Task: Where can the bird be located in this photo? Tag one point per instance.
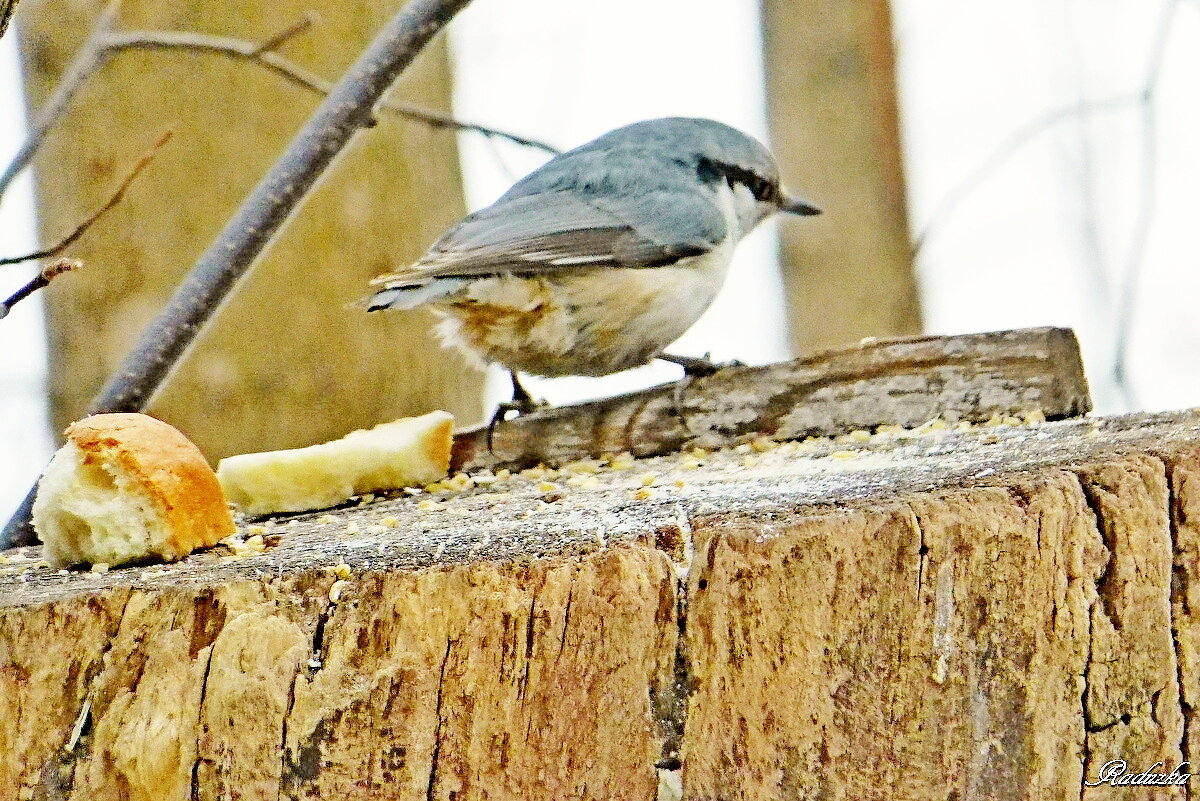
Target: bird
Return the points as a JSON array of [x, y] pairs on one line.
[[602, 257]]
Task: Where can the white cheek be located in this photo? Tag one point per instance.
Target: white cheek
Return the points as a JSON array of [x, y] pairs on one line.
[[742, 209]]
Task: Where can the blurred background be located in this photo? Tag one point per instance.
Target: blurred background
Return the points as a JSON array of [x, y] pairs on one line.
[[981, 166]]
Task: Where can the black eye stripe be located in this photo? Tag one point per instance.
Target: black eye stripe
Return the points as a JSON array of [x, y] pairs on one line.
[[711, 171]]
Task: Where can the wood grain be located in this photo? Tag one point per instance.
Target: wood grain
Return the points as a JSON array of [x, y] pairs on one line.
[[986, 613], [900, 382]]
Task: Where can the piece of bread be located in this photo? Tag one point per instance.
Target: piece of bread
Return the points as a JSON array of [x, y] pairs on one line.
[[409, 451], [125, 488]]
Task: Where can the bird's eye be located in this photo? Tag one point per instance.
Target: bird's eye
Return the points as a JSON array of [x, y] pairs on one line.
[[762, 189]]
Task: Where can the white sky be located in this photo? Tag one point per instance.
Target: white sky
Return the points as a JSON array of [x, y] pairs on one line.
[[1045, 238]]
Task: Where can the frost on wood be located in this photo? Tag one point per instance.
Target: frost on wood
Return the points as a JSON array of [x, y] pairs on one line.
[[986, 613]]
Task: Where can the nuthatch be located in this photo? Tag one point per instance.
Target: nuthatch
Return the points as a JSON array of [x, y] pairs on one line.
[[602, 257]]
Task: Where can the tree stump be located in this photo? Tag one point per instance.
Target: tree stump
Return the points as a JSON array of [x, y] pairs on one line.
[[993, 612]]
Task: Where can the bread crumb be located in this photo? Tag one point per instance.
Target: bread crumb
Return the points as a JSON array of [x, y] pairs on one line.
[[763, 444], [1033, 417], [583, 466], [256, 529], [336, 590], [859, 435], [460, 482], [326, 519], [389, 522], [547, 486], [427, 504], [843, 454], [622, 461], [352, 528], [749, 460], [583, 482], [99, 567]]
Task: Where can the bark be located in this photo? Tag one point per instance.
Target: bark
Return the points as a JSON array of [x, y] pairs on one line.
[[988, 613]]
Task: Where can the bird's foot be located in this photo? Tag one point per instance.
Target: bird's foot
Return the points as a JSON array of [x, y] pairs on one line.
[[698, 366], [522, 403]]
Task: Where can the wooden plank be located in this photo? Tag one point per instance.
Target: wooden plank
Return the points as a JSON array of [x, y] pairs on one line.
[[900, 382]]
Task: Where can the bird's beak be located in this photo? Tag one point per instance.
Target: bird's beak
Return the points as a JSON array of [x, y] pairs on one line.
[[794, 205]]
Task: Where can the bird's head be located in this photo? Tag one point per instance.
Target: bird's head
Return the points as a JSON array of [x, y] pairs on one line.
[[719, 155]]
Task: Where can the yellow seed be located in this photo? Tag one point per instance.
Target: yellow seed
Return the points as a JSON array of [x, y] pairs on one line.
[[643, 494], [427, 503], [648, 479], [843, 454], [341, 570]]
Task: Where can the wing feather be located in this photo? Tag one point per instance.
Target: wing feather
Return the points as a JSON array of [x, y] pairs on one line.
[[563, 228]]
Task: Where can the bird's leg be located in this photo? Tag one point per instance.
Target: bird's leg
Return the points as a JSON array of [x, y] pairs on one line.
[[697, 366], [522, 403]]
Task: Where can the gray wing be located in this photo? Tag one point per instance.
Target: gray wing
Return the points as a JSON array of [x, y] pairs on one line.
[[566, 229]]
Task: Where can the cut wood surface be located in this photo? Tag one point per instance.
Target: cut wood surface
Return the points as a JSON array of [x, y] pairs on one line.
[[995, 612], [898, 381]]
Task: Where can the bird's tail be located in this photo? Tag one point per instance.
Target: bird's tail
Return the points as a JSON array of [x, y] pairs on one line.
[[411, 296]]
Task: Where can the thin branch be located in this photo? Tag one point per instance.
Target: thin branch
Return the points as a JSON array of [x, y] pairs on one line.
[[103, 43], [278, 40], [88, 58], [346, 109], [1017, 140], [242, 50], [116, 198], [42, 279], [1131, 277], [7, 7]]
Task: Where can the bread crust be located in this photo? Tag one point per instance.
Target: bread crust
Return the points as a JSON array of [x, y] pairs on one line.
[[169, 469]]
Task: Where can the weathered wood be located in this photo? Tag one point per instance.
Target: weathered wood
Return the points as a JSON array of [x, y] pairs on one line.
[[900, 381], [987, 613]]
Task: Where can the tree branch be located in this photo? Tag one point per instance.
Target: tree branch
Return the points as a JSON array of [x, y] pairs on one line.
[[7, 8], [104, 43], [346, 109], [42, 279], [82, 228]]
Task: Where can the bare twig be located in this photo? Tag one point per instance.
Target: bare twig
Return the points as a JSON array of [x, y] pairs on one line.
[[1131, 277], [42, 279], [278, 40], [346, 109], [295, 74], [7, 7], [88, 58], [116, 198], [103, 43], [1009, 147]]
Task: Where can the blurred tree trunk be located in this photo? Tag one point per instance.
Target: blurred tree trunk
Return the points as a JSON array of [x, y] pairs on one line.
[[831, 91], [285, 363]]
